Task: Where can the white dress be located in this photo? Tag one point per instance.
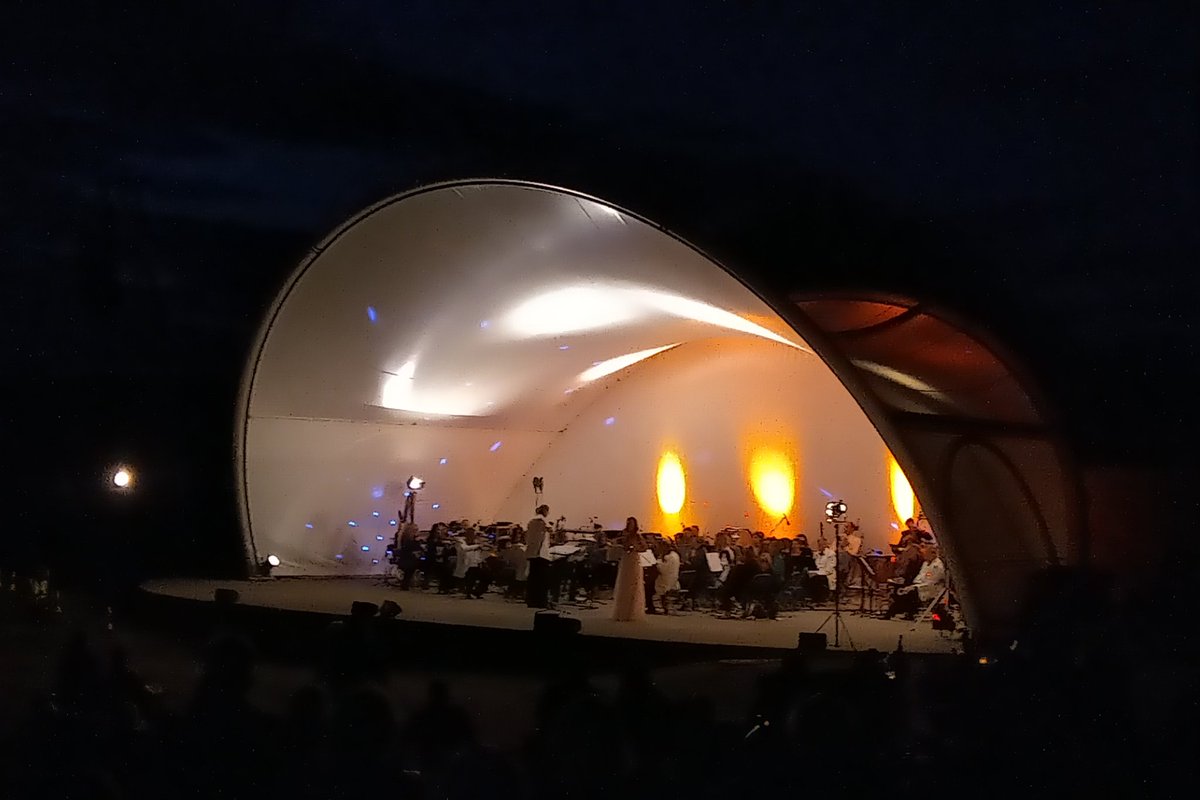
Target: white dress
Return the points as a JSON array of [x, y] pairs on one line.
[[629, 594]]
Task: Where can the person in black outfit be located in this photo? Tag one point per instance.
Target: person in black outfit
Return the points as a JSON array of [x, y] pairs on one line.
[[408, 556], [738, 581]]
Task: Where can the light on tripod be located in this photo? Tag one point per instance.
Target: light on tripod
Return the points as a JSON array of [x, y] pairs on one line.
[[269, 563], [414, 483], [835, 509]]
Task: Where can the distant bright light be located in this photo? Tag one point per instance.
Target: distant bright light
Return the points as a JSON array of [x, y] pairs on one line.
[[365, 548], [773, 479], [352, 524], [339, 556], [443, 461], [371, 315], [308, 525], [672, 485], [374, 560], [273, 560], [495, 446], [621, 362], [377, 492], [123, 478], [374, 513], [610, 421], [415, 483], [484, 323], [391, 522], [437, 505], [904, 502], [379, 537], [564, 347]]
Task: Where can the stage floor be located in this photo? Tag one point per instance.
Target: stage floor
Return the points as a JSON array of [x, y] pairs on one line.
[[335, 595]]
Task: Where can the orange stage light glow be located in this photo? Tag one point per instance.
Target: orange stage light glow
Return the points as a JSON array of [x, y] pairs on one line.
[[904, 502], [773, 479], [672, 485]]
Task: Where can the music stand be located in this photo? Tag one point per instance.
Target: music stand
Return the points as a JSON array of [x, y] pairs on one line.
[[868, 586]]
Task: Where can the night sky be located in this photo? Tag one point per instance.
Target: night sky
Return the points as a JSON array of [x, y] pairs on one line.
[[163, 171]]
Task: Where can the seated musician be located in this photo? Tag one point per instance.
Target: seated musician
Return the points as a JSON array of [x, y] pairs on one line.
[[468, 568], [738, 580], [826, 563], [666, 585], [929, 582], [908, 555]]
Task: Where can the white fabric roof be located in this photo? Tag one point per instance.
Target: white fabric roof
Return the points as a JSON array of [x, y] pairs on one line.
[[481, 333]]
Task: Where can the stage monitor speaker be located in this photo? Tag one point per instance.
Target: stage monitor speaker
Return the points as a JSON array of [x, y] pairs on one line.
[[225, 597], [550, 623], [363, 609], [389, 609], [811, 642]]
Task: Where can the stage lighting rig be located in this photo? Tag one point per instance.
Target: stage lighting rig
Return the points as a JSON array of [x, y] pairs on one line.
[[835, 510], [409, 512], [267, 564]]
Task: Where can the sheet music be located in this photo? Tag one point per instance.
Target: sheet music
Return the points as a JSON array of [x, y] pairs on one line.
[[647, 558], [714, 562]]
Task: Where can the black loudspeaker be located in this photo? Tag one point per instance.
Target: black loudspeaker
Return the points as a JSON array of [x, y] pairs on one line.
[[551, 624], [225, 597], [363, 609], [811, 642], [389, 609]]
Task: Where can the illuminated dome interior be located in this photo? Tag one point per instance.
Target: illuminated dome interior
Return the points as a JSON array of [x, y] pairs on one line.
[[478, 335]]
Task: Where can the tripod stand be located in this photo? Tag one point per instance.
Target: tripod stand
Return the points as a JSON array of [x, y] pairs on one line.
[[836, 614]]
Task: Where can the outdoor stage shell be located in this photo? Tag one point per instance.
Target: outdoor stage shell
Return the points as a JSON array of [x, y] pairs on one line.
[[480, 333]]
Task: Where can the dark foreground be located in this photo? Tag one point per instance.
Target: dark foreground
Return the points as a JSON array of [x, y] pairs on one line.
[[218, 708]]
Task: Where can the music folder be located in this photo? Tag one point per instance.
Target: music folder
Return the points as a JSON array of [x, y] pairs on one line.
[[714, 562], [648, 559]]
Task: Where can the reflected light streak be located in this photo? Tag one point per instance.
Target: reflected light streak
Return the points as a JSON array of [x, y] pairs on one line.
[[574, 309], [773, 479], [571, 310], [621, 362], [904, 502], [672, 485], [895, 376], [399, 392], [702, 312]]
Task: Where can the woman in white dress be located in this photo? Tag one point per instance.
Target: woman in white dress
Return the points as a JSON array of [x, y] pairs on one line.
[[629, 594]]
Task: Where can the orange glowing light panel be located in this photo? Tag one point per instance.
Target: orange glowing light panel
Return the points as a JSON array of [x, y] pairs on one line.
[[773, 479], [672, 485]]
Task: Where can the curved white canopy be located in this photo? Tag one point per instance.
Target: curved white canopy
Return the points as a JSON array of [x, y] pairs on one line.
[[481, 334]]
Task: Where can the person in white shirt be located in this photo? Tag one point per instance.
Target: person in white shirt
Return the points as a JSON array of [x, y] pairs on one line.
[[469, 558], [666, 585], [924, 589], [826, 559], [537, 552]]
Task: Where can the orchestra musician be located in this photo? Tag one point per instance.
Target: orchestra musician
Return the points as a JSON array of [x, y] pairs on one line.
[[469, 574], [537, 553], [925, 587]]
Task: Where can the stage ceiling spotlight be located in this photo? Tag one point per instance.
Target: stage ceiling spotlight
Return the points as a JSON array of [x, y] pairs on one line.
[[415, 484]]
